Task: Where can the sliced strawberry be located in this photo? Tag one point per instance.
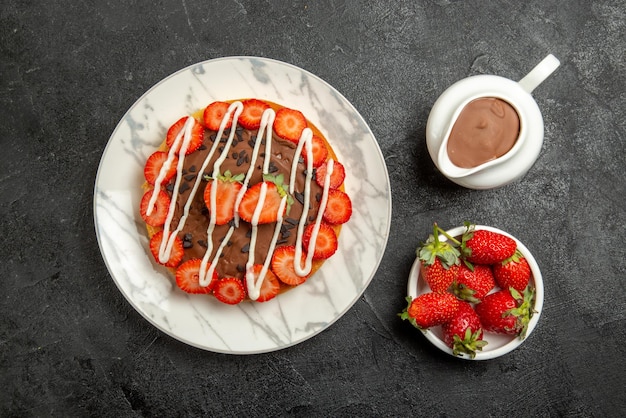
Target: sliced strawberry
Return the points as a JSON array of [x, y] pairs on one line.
[[229, 290], [282, 265], [271, 204], [188, 277], [176, 255], [326, 243], [153, 166], [320, 152], [228, 187], [197, 135], [213, 115], [252, 113], [336, 177], [269, 287], [289, 124], [159, 212], [338, 207]]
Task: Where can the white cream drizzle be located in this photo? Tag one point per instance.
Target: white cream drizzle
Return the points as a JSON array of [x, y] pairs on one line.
[[266, 127]]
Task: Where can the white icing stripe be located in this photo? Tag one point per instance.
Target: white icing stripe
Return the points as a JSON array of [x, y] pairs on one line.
[[237, 108], [206, 279], [303, 271], [254, 286], [267, 122], [168, 240], [306, 138]]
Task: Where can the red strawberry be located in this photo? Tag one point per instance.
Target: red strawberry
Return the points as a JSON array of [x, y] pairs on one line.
[[289, 124], [473, 284], [319, 151], [439, 262], [270, 286], [464, 333], [176, 255], [507, 311], [159, 211], [197, 135], [325, 244], [213, 115], [513, 272], [188, 277], [438, 277], [275, 192], [430, 309], [229, 290], [252, 113], [282, 265], [336, 177], [486, 247], [338, 207], [228, 186], [153, 166]]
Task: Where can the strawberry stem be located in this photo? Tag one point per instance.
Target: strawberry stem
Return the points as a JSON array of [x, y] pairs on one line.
[[445, 234]]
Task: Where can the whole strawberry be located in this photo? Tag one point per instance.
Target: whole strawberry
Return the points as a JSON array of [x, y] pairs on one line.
[[430, 309], [513, 272], [464, 333], [439, 262], [473, 283], [507, 311], [485, 247]]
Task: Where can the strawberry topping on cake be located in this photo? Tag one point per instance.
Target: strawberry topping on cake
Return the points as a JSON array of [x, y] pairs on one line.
[[245, 199]]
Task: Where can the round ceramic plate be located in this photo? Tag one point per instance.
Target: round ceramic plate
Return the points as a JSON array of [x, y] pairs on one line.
[[497, 344], [201, 321]]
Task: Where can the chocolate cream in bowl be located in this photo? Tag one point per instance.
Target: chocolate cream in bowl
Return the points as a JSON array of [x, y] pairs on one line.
[[486, 129]]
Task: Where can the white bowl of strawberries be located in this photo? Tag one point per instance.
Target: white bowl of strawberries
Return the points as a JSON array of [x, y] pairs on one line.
[[475, 291]]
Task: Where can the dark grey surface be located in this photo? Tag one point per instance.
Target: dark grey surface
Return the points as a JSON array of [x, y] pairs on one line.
[[70, 344]]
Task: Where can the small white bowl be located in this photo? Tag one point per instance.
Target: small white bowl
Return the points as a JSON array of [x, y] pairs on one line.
[[497, 344]]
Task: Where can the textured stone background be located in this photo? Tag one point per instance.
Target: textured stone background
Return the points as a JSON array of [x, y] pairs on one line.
[[70, 344]]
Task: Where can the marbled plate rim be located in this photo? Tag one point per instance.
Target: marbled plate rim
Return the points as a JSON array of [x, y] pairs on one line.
[[381, 236]]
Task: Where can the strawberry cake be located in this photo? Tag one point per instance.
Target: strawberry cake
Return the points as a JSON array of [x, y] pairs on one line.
[[243, 200]]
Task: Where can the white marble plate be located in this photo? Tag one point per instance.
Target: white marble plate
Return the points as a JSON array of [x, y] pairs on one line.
[[202, 321]]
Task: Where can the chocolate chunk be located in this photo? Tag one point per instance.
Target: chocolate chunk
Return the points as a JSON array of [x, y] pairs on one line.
[[192, 169], [299, 197], [189, 177], [234, 155], [281, 242], [245, 248], [240, 268], [318, 197], [203, 243], [272, 167], [184, 187], [187, 244], [249, 233], [170, 187], [202, 147], [187, 236], [286, 234], [291, 221]]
